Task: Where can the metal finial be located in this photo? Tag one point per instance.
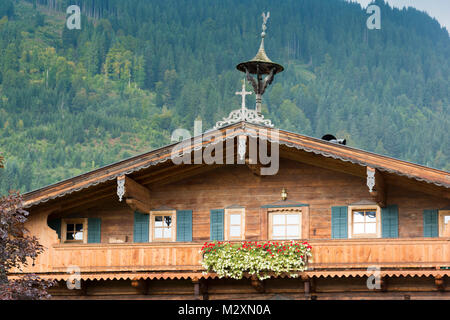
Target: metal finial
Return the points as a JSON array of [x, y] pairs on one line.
[[260, 65], [265, 18]]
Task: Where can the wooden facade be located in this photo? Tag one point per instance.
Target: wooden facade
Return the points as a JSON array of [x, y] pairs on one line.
[[318, 177]]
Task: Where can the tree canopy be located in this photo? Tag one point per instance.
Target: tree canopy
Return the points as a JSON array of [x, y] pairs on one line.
[[74, 100]]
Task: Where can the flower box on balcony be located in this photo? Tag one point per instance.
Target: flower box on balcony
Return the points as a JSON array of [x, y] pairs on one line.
[[258, 259]]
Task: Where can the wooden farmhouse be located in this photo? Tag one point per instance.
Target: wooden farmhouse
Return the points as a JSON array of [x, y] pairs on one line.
[[378, 227], [358, 210]]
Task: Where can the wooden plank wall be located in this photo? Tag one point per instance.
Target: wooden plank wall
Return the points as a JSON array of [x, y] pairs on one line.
[[236, 184]]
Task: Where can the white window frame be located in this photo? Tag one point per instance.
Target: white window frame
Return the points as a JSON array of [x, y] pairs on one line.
[[229, 212], [65, 222], [377, 210], [285, 211], [172, 213], [441, 214]]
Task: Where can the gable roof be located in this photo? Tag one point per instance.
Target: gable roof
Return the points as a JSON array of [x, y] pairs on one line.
[[285, 138]]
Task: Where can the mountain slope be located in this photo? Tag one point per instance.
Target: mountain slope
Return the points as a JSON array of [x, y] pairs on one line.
[[74, 100]]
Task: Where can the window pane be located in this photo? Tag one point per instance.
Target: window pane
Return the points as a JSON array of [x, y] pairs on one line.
[[158, 221], [167, 233], [358, 216], [292, 219], [78, 236], [371, 216], [235, 219], [279, 219], [167, 221], [371, 227], [235, 231], [278, 231], [70, 227], [292, 231], [446, 219], [69, 236], [158, 233], [358, 228], [79, 227]]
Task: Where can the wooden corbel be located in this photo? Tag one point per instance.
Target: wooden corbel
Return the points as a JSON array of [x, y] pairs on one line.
[[439, 282], [196, 283], [257, 284], [384, 283], [136, 195], [254, 168], [204, 288], [306, 286], [140, 285], [376, 185]]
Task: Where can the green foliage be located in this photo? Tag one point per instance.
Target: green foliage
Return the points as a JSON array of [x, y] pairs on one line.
[[261, 259], [74, 100]]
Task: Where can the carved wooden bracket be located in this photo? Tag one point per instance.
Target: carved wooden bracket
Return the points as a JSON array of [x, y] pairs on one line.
[[136, 195], [196, 283], [383, 284], [140, 284], [204, 288], [242, 148], [258, 285], [255, 169], [439, 281], [375, 182]]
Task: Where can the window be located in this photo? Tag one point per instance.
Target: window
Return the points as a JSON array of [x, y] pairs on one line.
[[163, 225], [74, 230], [235, 224], [284, 225], [364, 222], [444, 223]]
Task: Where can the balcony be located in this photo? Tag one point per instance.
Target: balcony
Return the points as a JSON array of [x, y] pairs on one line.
[[328, 255]]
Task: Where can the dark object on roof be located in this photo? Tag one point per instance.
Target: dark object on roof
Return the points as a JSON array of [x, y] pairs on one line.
[[331, 138]]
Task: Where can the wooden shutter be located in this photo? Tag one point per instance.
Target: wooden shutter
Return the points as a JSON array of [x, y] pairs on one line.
[[389, 222], [94, 230], [216, 224], [55, 224], [140, 231], [184, 225], [430, 223], [339, 222]]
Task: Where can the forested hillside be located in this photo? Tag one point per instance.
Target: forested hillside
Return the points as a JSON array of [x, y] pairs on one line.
[[74, 100]]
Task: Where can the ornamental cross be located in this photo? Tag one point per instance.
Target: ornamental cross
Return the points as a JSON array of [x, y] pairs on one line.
[[243, 93]]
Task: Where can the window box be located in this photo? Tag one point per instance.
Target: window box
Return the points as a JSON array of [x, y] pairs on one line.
[[257, 259]]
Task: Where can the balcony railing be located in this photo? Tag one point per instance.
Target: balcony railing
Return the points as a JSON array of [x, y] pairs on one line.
[[327, 254]]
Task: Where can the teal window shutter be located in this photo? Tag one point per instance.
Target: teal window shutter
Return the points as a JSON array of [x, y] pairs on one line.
[[389, 222], [94, 230], [55, 224], [140, 231], [184, 225], [216, 224], [430, 223], [339, 222]]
